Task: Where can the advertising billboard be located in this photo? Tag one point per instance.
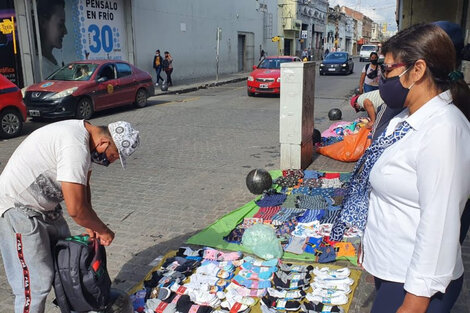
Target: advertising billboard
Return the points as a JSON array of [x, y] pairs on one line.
[[71, 30]]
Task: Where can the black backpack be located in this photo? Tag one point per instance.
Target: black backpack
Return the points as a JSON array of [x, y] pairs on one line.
[[81, 281]]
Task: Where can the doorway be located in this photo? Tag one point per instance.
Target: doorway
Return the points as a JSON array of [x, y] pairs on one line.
[[241, 52], [287, 45]]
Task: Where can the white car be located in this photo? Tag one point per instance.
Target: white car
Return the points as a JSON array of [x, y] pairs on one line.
[[366, 50]]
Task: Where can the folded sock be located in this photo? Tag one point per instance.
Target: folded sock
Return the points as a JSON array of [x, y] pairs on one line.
[[188, 252], [289, 267], [327, 292], [212, 269], [293, 277], [279, 283], [286, 294], [252, 284], [326, 273], [185, 305], [281, 304], [246, 292], [331, 286], [266, 309], [203, 297], [337, 300], [311, 307], [255, 276], [157, 305], [333, 282]]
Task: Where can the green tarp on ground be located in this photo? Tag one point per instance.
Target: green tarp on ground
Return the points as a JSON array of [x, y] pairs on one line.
[[213, 236]]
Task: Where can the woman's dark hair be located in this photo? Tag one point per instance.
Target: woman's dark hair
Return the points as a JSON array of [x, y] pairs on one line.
[[430, 43], [46, 8]]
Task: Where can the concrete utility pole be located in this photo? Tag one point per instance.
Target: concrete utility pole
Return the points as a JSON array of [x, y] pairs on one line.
[[219, 31], [337, 16]]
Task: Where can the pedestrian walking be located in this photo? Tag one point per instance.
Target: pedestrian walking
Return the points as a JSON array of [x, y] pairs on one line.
[[262, 55], [371, 74], [168, 67], [158, 65], [51, 165], [408, 193]]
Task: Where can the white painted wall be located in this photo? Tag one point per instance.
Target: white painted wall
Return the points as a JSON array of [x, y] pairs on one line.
[[187, 29]]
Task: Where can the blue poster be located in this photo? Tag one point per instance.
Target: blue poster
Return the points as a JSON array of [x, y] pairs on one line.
[[72, 30]]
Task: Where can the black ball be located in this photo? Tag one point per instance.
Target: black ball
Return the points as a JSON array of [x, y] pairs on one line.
[[258, 181], [334, 114], [164, 86], [316, 136]]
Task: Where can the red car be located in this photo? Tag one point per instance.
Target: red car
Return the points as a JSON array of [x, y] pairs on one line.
[[81, 88], [266, 77], [12, 109]]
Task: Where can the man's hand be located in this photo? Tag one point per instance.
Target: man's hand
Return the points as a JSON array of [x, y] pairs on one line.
[[105, 238], [361, 89], [370, 124]]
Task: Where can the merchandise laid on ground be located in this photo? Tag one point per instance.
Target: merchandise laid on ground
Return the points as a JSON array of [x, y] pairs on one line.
[[338, 130], [345, 141], [301, 209], [209, 280], [287, 228]]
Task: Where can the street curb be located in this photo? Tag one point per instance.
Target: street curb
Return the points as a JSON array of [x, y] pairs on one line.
[[202, 86]]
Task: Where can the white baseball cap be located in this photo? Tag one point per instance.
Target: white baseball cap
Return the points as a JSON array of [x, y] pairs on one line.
[[126, 139]]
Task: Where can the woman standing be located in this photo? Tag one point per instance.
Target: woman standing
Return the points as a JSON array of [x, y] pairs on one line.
[[168, 67], [370, 75], [418, 178]]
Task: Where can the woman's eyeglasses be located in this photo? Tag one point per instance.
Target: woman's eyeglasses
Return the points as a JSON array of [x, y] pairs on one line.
[[390, 67]]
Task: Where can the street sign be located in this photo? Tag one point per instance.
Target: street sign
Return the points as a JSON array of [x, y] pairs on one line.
[[304, 34], [275, 38]]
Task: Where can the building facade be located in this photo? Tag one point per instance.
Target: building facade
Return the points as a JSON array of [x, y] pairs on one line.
[[302, 25], [132, 31], [410, 12]]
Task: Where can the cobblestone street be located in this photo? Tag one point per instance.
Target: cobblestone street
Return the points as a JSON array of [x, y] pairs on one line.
[[196, 150]]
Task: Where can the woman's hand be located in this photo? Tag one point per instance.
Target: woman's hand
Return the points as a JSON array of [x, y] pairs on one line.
[[414, 304]]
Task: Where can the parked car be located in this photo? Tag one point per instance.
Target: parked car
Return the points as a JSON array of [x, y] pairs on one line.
[[381, 58], [12, 109], [81, 88], [266, 77], [337, 62], [366, 50]]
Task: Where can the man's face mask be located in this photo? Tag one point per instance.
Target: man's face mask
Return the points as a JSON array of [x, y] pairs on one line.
[[100, 158]]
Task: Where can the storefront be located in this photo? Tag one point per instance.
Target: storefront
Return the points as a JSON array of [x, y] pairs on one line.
[[10, 60]]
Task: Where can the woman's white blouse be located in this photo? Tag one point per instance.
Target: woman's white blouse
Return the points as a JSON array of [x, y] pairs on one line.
[[419, 188]]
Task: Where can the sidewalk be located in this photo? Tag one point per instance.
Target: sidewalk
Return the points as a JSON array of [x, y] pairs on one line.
[[187, 85]]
